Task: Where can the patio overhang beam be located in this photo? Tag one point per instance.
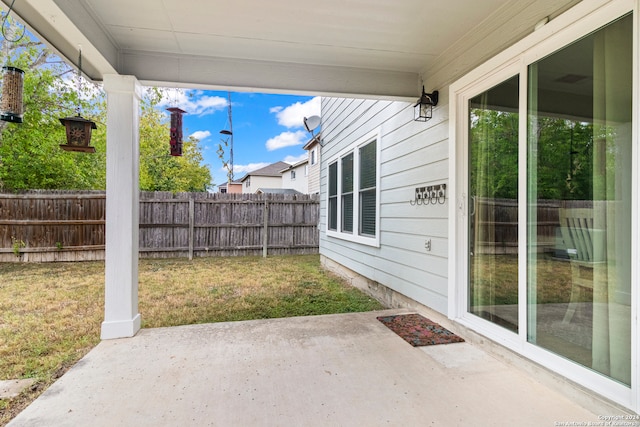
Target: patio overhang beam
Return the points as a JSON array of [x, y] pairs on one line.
[[156, 69]]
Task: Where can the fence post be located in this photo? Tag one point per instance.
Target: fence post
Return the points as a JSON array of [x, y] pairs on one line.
[[191, 226], [265, 230]]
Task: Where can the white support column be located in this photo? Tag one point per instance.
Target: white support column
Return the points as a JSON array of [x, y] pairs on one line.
[[121, 317]]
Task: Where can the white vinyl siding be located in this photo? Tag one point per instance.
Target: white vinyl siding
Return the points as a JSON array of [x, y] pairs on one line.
[[295, 178], [408, 155], [256, 182], [413, 154], [314, 170]]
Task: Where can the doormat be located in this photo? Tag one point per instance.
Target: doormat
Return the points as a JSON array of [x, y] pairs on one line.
[[418, 330]]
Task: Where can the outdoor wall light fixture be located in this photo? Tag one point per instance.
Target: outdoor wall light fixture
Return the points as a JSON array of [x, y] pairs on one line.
[[423, 110], [78, 129], [430, 195]]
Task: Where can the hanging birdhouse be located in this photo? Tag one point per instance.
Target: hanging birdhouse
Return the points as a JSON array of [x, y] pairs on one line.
[[175, 132], [11, 105], [78, 128], [78, 134]]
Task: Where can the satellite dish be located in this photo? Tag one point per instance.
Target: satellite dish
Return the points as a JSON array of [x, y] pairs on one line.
[[311, 123]]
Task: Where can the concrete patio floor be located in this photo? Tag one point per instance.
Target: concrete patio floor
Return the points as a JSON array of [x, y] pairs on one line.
[[334, 370]]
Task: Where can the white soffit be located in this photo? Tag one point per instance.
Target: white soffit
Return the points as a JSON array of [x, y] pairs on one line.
[[373, 48]]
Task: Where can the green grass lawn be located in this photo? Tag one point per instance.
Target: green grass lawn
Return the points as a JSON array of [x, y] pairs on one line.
[[498, 275], [50, 314]]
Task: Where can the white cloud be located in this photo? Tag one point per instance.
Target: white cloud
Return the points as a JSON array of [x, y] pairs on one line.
[[193, 101], [293, 115], [200, 135], [248, 168], [287, 139], [295, 159]]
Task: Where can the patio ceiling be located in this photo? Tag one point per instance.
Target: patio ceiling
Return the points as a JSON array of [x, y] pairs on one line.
[[369, 48]]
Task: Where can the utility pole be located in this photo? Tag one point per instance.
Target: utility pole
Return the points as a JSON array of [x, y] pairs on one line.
[[231, 142]]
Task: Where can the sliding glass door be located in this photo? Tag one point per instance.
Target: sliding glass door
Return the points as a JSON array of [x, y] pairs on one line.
[[579, 201], [576, 273], [493, 191]]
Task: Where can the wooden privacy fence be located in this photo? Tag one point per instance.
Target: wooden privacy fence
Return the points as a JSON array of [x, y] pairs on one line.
[[494, 224], [70, 226]]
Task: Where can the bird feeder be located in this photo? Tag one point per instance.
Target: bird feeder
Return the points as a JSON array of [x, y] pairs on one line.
[[78, 134], [78, 128], [12, 84], [175, 131]]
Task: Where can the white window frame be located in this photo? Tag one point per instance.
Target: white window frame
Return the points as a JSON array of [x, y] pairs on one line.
[[355, 236], [576, 23]]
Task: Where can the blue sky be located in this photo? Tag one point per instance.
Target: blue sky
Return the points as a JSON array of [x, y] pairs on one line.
[[266, 128]]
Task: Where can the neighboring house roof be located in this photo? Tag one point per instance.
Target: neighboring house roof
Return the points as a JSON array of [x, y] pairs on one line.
[[270, 170], [312, 142], [277, 191], [295, 165], [224, 184]]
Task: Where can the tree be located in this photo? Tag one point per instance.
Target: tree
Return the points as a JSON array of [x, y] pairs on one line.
[[563, 151], [159, 171], [30, 154], [494, 154], [565, 159]]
